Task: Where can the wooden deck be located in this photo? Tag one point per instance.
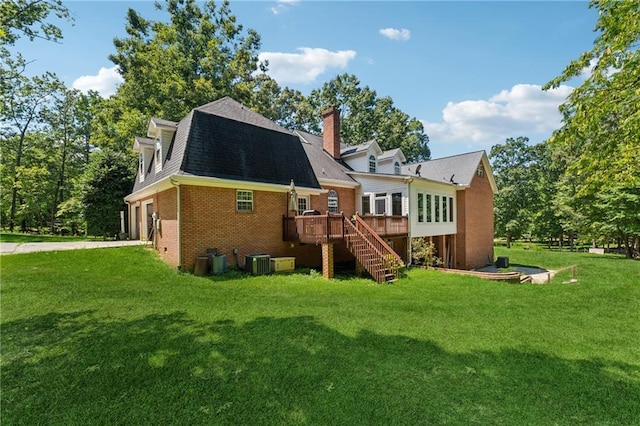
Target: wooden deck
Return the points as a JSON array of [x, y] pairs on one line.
[[329, 228]]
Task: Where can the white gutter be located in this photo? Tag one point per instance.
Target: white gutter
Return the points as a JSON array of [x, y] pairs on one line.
[[337, 183], [173, 180]]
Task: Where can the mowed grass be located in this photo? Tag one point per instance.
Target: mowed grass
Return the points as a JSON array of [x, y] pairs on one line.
[[114, 336]]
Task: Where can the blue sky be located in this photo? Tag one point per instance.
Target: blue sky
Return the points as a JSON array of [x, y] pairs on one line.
[[470, 71]]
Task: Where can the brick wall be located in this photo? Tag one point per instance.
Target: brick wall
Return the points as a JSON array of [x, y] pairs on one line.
[[210, 220], [461, 226], [346, 201], [165, 204], [475, 225]]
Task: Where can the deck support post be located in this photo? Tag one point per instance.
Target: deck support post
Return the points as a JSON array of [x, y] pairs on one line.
[[327, 260], [359, 268]]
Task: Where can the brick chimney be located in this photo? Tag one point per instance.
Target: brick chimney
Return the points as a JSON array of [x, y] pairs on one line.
[[331, 132]]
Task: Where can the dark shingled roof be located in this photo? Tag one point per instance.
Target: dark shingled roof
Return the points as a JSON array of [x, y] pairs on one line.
[[234, 110], [228, 149], [324, 165], [225, 140]]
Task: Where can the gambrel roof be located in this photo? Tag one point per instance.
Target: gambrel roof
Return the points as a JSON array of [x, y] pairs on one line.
[[226, 140], [324, 165]]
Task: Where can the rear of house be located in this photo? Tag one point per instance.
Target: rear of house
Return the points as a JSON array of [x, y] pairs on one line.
[[223, 179]]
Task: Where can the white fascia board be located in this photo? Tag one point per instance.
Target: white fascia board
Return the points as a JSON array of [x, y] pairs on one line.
[[153, 126], [161, 185], [379, 175], [488, 170], [175, 180], [338, 183]]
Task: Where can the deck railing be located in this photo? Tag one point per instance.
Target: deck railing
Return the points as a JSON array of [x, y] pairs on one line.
[[319, 229], [387, 226]]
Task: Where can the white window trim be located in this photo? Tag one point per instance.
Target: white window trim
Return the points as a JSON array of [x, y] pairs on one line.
[[158, 155], [331, 198], [249, 201], [373, 162], [381, 196], [306, 199], [141, 167]]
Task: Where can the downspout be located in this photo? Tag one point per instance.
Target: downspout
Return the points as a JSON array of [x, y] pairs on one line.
[[128, 219], [179, 218], [409, 248]]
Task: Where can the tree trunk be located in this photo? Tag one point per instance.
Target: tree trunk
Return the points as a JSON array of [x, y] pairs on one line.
[[57, 195], [508, 241], [14, 189]]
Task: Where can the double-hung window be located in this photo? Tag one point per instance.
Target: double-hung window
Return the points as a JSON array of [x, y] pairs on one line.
[[244, 201], [333, 201], [303, 204], [372, 164]]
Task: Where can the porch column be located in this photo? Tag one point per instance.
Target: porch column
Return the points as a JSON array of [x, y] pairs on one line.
[[327, 260]]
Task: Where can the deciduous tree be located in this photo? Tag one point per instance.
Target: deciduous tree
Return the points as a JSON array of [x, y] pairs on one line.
[[601, 121]]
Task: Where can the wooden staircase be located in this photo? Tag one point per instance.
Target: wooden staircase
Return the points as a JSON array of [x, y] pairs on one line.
[[373, 253]]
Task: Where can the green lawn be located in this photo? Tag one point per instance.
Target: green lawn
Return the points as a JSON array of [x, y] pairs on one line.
[[113, 336]]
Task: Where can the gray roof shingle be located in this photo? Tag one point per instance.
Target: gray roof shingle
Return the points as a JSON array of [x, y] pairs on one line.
[[324, 165], [457, 168], [224, 148]]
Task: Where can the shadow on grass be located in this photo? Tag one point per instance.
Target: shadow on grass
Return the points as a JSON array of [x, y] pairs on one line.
[[170, 369]]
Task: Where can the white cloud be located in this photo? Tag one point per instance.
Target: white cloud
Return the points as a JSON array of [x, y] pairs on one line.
[[523, 110], [395, 34], [105, 82], [283, 5], [306, 66]]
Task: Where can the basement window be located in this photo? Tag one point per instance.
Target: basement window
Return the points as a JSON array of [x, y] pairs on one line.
[[244, 201]]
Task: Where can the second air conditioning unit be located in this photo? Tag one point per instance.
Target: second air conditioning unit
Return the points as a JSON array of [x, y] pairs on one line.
[[257, 264]]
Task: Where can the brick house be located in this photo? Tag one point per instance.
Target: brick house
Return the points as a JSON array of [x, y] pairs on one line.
[[223, 176]]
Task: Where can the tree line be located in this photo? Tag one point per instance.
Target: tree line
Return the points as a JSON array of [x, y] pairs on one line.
[[585, 180], [59, 145], [67, 162]]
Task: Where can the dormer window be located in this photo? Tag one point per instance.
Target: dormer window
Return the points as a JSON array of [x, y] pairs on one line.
[[372, 164], [396, 168], [141, 166], [158, 155]]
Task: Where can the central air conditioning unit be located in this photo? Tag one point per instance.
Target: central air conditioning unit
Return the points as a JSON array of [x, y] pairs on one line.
[[257, 264]]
